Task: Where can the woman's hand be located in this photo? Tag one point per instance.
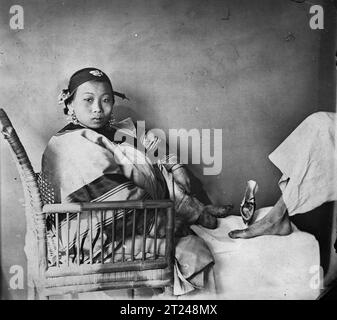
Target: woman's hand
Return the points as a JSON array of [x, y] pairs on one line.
[[181, 177]]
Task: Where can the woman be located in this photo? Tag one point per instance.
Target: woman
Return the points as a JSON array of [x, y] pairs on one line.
[[86, 162]]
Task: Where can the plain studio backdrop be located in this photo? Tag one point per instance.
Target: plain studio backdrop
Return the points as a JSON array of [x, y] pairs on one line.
[[254, 69]]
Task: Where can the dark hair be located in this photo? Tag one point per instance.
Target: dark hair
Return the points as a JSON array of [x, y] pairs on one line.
[[67, 102]]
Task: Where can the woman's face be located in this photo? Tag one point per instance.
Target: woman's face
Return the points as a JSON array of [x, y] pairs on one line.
[[92, 104]]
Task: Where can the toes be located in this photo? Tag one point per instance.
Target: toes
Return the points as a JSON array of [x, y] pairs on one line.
[[239, 234]]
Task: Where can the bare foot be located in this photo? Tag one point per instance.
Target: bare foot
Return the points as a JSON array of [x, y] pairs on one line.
[[276, 222]]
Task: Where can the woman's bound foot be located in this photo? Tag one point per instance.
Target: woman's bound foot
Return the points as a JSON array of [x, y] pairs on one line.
[[207, 220], [210, 213], [276, 222], [218, 211], [193, 211]]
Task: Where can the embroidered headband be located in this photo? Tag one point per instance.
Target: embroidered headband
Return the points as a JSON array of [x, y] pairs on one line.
[[82, 76]]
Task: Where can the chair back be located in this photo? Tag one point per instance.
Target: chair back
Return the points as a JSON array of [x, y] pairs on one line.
[[29, 178], [35, 219]]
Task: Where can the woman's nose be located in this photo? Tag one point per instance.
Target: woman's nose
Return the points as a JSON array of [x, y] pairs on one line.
[[97, 106]]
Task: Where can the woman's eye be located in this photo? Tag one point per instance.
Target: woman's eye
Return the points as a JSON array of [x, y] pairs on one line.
[[88, 99], [106, 100]]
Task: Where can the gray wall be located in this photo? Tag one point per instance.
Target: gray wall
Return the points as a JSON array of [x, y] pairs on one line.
[[253, 68]]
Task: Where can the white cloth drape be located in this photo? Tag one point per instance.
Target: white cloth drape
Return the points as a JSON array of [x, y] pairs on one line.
[[307, 159]]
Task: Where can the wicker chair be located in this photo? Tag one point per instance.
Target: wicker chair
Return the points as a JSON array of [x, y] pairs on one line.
[[45, 280]]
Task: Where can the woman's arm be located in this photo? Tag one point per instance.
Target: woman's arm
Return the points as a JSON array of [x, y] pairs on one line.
[[154, 145]]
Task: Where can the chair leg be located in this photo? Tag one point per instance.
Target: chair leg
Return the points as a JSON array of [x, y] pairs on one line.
[[31, 287], [168, 291], [75, 296], [43, 297], [131, 293], [31, 291]]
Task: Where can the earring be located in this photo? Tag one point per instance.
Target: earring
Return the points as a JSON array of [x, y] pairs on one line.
[[72, 117], [112, 121]]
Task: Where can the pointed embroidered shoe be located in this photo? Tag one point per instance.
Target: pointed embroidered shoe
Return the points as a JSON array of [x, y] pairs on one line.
[[248, 204]]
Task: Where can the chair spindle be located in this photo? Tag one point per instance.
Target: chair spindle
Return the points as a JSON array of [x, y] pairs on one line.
[[67, 257], [102, 235], [123, 237], [57, 240], [144, 235], [133, 235], [78, 238], [155, 233], [90, 236], [113, 226]]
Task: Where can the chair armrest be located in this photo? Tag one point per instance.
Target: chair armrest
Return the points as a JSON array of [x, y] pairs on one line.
[[76, 207], [82, 207]]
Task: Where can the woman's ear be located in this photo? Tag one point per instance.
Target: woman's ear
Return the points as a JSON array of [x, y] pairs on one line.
[[70, 108]]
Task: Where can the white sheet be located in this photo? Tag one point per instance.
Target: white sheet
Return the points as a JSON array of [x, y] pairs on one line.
[[267, 267]]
